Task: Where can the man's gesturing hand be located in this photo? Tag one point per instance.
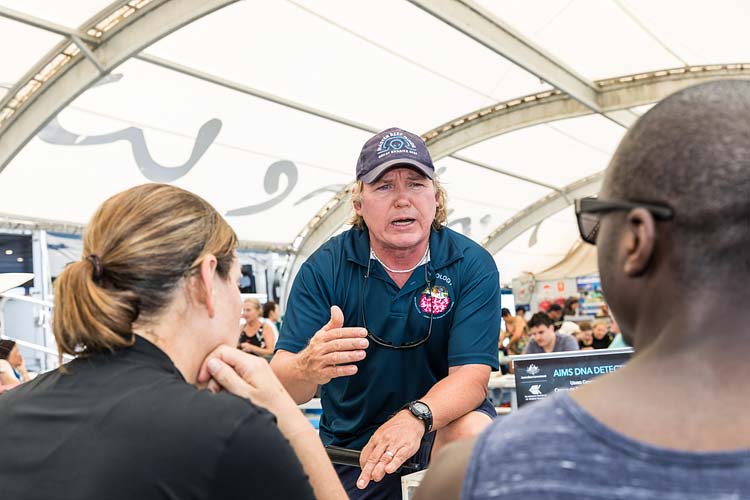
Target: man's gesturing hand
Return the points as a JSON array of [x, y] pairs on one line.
[[331, 350], [391, 445]]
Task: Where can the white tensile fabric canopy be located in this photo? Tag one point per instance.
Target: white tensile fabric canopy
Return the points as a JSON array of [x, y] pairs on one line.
[[261, 106]]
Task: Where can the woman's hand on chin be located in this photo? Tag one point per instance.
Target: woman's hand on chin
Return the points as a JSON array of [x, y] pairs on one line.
[[246, 376]]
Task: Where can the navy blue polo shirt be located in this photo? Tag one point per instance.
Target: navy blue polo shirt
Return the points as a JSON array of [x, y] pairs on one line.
[[464, 295]]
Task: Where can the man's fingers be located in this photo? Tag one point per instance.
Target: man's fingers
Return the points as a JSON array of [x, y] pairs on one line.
[[337, 319], [368, 461], [225, 376], [400, 456], [342, 357], [345, 344], [340, 371], [350, 332]]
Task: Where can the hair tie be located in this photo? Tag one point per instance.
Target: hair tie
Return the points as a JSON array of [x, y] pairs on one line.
[[98, 266]]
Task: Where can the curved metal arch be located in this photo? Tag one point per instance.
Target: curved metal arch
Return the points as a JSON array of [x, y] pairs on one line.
[[122, 29], [541, 209], [615, 95]]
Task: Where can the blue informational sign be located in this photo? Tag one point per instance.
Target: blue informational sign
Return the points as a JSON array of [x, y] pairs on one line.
[[541, 375]]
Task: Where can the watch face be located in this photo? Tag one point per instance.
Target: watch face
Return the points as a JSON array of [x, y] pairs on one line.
[[421, 408]]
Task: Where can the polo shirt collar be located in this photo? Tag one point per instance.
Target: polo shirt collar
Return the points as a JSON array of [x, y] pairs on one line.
[[443, 248]]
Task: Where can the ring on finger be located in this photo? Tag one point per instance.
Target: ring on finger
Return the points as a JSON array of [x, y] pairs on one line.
[[390, 454]]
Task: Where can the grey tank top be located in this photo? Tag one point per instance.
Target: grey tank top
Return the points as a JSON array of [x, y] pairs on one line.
[[555, 449]]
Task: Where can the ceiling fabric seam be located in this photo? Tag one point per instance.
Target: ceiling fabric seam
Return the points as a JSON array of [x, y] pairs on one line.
[[650, 33], [400, 56]]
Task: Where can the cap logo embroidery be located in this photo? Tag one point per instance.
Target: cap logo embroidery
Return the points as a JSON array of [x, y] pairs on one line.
[[395, 143]]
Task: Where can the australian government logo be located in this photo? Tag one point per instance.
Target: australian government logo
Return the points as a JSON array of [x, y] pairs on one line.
[[533, 372], [435, 301]]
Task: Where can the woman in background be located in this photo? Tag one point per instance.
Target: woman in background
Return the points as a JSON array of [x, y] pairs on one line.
[[272, 315], [257, 337], [12, 366]]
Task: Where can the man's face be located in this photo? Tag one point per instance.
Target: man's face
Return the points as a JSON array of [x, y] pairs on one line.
[[544, 336], [398, 209], [555, 315]]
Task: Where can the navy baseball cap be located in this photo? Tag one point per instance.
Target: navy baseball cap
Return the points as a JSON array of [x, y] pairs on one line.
[[392, 148]]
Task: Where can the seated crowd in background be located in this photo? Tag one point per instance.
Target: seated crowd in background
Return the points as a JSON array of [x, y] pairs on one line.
[[554, 331]]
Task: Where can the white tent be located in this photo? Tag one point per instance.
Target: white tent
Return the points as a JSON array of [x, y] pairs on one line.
[[580, 261], [261, 106]]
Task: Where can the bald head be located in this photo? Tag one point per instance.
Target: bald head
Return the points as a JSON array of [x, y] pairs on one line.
[[692, 152]]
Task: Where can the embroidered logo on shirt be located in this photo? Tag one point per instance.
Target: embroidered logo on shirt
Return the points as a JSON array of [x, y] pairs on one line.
[[435, 301]]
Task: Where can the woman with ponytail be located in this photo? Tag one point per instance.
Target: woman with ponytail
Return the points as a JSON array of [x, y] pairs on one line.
[[151, 312]]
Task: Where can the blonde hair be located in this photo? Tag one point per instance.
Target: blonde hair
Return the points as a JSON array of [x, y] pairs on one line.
[[253, 301], [137, 249], [441, 211], [600, 322]]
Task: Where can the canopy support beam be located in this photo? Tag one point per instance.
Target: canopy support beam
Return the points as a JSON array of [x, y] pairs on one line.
[[65, 73]]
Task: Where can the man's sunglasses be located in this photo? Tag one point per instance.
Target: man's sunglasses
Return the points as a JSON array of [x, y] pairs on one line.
[[385, 343], [590, 210]]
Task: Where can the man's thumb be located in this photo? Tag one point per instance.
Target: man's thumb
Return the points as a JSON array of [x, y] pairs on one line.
[[337, 319]]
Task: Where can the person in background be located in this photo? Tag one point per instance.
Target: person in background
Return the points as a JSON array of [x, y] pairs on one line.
[[515, 332], [544, 338], [569, 328], [619, 341], [521, 314], [12, 366], [272, 316], [150, 311], [256, 337], [671, 228], [585, 336], [602, 336], [571, 307], [555, 312]]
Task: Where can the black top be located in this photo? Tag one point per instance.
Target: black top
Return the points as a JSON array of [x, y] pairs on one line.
[[257, 340], [603, 342], [126, 425]]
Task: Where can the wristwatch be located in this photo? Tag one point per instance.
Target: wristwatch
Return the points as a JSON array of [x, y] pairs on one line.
[[422, 412]]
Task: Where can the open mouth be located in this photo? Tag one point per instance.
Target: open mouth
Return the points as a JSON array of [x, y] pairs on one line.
[[403, 222]]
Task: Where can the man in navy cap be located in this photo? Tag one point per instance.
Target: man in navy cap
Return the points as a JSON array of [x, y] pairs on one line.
[[397, 319]]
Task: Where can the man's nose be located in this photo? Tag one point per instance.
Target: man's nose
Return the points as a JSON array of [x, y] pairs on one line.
[[402, 197]]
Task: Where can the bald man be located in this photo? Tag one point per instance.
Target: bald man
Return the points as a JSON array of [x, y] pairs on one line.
[[671, 228]]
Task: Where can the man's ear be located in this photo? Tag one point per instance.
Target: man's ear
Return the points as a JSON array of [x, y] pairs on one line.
[[206, 283], [640, 241], [357, 200]]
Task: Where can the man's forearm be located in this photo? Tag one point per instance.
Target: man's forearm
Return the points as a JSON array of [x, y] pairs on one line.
[[297, 384], [460, 392]]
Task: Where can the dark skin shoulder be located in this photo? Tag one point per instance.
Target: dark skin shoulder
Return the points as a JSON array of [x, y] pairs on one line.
[[445, 477]]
